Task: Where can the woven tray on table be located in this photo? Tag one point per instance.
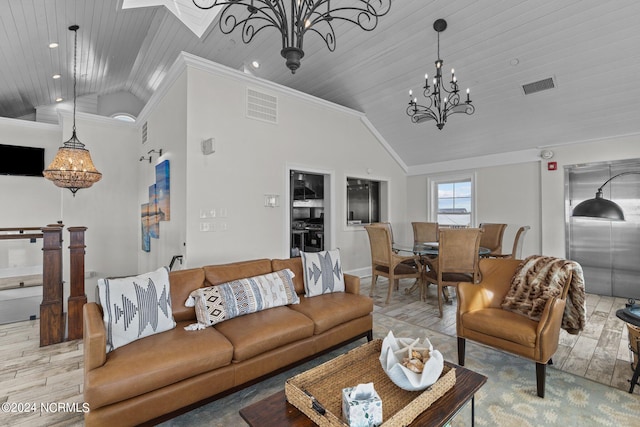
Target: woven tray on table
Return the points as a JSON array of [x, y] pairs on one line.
[[361, 365]]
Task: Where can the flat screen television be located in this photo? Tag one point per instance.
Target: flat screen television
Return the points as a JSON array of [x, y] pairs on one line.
[[24, 161]]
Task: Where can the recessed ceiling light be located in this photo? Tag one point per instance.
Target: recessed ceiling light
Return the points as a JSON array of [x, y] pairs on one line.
[[59, 99], [255, 64], [514, 62], [53, 45], [56, 76]]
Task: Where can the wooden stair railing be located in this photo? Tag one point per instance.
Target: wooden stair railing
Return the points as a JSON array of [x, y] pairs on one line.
[[77, 295], [52, 322], [52, 316]]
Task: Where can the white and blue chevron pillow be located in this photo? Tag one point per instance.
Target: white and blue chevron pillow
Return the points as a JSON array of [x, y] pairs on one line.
[[322, 272], [135, 307]]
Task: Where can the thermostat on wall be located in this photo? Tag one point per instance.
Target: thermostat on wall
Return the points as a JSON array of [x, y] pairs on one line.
[[208, 146]]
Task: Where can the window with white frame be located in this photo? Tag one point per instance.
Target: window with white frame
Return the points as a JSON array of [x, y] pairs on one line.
[[452, 200]]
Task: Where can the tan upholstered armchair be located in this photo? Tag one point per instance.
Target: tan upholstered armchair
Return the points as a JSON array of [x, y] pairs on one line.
[[481, 318]]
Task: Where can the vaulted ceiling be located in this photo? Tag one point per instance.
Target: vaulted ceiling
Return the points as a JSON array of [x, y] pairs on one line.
[[590, 48]]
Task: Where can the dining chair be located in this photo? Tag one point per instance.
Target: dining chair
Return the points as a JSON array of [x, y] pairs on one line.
[[492, 238], [385, 262], [425, 232], [516, 252], [457, 259]]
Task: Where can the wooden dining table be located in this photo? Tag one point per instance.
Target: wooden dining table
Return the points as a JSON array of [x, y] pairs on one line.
[[428, 251]]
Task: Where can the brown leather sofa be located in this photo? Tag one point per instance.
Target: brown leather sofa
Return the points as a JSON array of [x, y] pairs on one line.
[[162, 373]]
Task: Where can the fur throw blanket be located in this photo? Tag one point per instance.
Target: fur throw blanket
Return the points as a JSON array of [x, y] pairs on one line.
[[539, 278]]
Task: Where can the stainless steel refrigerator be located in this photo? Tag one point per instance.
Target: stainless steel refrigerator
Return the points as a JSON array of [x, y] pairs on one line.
[[609, 251]]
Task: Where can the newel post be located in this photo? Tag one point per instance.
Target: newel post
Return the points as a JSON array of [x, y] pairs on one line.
[[77, 295], [51, 311]]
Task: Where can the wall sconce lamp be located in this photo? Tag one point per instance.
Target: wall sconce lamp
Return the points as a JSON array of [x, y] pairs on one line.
[[271, 200], [150, 158], [599, 207]]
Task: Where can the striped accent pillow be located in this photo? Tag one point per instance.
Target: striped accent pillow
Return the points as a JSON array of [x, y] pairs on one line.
[[215, 304], [135, 307]]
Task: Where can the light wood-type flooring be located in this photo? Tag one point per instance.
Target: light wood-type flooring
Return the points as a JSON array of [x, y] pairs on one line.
[[600, 352], [54, 374]]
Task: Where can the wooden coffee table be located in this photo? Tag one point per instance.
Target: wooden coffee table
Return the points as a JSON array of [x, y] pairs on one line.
[[275, 411]]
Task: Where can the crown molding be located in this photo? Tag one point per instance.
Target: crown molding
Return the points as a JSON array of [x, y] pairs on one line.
[[384, 143], [186, 59], [28, 124], [477, 162]]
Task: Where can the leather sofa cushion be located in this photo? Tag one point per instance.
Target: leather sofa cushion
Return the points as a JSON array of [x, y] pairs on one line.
[[265, 330], [330, 310], [295, 265], [216, 274], [156, 361], [499, 323], [183, 282]]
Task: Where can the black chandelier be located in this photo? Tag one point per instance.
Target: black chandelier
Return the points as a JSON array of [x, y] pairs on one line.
[[441, 103], [295, 19]]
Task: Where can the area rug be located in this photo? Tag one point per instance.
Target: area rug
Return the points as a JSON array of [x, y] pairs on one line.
[[507, 399]]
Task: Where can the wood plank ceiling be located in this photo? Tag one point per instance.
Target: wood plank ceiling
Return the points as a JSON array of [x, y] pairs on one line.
[[590, 48]]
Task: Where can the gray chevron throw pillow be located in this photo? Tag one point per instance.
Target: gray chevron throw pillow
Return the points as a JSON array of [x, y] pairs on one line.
[[322, 272]]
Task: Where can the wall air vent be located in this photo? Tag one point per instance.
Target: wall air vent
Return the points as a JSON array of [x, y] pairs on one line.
[[144, 133], [262, 106], [538, 86]]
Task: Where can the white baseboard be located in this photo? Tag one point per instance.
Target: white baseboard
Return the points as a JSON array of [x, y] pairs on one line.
[[360, 272]]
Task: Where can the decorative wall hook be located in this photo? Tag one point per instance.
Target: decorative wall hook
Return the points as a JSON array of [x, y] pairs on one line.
[[155, 151], [145, 158]]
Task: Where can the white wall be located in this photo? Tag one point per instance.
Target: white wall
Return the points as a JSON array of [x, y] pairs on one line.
[[27, 200], [166, 130], [507, 194], [552, 182], [251, 160], [107, 209]]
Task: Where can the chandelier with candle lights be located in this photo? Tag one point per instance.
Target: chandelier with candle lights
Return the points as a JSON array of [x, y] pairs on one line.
[[440, 101], [294, 18]]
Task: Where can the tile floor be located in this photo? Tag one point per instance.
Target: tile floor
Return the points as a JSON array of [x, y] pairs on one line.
[[55, 373]]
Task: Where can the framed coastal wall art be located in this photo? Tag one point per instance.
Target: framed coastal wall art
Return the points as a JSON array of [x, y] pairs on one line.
[[154, 221], [144, 222], [163, 190], [158, 207]]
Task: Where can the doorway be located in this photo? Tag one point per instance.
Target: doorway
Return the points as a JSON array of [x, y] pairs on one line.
[[608, 251], [310, 219]]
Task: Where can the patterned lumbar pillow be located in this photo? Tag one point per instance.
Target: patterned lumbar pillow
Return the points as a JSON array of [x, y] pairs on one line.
[[322, 272], [215, 304], [135, 307]]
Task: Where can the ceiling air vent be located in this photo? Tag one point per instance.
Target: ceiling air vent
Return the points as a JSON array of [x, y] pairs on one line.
[[262, 106], [538, 86]]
